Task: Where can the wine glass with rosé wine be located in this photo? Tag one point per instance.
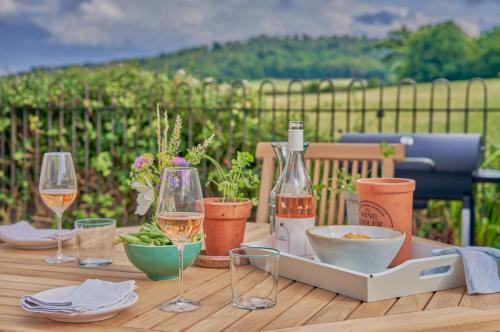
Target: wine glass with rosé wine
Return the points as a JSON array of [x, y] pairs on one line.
[[57, 188], [180, 215]]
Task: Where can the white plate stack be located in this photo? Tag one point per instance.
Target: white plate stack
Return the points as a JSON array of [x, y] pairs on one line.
[[22, 235]]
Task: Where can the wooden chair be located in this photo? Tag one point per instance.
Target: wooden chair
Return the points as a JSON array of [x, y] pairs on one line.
[[324, 161]]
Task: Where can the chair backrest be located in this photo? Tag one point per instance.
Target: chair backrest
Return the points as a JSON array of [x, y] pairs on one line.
[[324, 161]]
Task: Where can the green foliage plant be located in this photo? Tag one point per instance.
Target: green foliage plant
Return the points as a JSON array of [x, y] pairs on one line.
[[232, 182]]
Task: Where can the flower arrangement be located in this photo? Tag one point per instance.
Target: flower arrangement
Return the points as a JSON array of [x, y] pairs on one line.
[[146, 172]]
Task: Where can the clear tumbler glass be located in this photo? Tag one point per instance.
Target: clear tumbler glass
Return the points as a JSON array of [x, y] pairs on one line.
[[262, 263], [94, 241]]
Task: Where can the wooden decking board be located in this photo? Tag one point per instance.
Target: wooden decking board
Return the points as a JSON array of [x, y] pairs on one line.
[[338, 309], [303, 310], [371, 309], [446, 298], [410, 303]]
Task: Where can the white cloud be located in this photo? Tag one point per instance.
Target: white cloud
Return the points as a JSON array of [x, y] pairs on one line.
[[167, 25], [101, 10], [88, 25], [7, 7]]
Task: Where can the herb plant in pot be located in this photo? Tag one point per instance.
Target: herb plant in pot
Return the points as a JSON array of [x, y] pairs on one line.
[[226, 216]]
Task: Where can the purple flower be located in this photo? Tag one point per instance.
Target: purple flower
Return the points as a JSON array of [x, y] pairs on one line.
[[179, 162], [173, 181], [143, 161]]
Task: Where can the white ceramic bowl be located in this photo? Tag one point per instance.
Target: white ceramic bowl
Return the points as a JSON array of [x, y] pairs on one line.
[[362, 255]]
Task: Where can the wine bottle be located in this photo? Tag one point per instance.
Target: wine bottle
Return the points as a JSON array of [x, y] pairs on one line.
[[295, 210]]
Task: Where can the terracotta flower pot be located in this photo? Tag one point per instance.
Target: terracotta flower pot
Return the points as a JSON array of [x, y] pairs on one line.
[[224, 225], [388, 202]]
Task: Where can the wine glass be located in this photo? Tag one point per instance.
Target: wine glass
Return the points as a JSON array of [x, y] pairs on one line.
[[58, 190], [180, 215]]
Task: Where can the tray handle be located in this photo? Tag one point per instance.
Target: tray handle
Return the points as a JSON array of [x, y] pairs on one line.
[[418, 267], [408, 278]]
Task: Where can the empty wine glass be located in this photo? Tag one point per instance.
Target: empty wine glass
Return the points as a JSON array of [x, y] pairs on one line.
[[58, 191], [180, 215]]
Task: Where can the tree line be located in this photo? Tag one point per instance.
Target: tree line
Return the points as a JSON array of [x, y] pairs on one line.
[[441, 50]]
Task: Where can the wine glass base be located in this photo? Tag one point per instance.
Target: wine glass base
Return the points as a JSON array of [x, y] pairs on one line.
[[59, 259], [180, 305]]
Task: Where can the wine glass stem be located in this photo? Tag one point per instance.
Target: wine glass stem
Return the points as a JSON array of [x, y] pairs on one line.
[[59, 236], [180, 247]]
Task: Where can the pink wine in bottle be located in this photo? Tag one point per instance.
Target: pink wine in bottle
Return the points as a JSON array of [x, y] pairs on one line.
[[295, 204]]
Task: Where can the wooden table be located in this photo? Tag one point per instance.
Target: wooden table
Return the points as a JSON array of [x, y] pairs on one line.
[[300, 307]]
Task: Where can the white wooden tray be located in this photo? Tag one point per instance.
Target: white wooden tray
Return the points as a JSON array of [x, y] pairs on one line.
[[402, 280]]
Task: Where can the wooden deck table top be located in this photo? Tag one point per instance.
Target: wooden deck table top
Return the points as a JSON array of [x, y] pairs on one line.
[[300, 307]]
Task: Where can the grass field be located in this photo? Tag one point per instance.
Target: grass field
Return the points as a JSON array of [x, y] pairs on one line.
[[389, 103]]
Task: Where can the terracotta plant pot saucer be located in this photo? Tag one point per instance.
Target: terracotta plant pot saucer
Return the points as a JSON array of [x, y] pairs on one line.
[[218, 262]]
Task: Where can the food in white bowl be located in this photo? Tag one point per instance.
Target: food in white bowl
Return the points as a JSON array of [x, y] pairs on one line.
[[366, 249]]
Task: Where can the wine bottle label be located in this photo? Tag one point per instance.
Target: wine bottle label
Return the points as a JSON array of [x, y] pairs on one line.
[[291, 236], [296, 140]]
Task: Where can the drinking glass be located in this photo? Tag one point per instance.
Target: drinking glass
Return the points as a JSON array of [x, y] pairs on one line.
[[180, 215], [94, 241], [58, 191], [260, 262]]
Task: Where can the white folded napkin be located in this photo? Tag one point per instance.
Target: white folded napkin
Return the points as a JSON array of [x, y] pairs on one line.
[[91, 295], [23, 231]]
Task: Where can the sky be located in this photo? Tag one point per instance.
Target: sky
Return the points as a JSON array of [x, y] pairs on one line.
[[59, 32]]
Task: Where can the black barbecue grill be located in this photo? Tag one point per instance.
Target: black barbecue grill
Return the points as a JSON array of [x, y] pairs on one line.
[[444, 166]]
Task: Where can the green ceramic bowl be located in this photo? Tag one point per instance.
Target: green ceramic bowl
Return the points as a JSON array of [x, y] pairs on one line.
[[161, 263]]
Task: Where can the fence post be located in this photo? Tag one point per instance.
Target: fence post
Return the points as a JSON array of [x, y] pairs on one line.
[[13, 147], [407, 81], [205, 108], [380, 111], [86, 106], [332, 107], [431, 106], [273, 107], [244, 88], [485, 105], [363, 103], [288, 97]]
